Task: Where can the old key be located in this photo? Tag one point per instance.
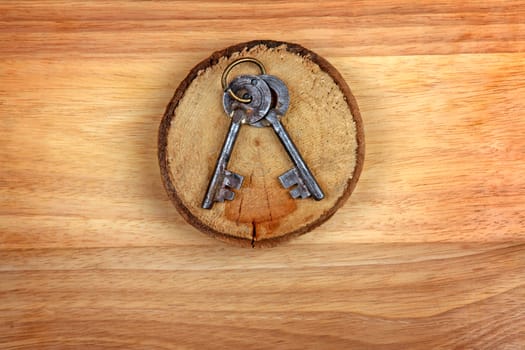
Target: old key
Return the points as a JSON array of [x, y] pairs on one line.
[[300, 175], [258, 94]]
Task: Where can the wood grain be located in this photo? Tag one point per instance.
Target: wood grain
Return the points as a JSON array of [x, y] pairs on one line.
[[428, 253]]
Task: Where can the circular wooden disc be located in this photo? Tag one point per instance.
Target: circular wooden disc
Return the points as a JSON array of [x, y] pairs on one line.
[[323, 120]]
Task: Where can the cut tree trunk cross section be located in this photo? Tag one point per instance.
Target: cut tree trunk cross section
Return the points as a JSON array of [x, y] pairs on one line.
[[323, 120]]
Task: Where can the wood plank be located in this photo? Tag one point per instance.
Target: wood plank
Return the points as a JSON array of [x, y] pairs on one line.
[[444, 146], [427, 254], [44, 29], [418, 296]]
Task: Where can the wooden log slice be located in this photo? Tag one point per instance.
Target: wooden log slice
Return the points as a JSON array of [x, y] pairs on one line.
[[323, 120]]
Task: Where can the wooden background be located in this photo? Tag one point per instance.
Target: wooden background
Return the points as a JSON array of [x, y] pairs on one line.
[[428, 253]]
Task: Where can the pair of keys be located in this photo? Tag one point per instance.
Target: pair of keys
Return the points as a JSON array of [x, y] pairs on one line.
[[261, 101]]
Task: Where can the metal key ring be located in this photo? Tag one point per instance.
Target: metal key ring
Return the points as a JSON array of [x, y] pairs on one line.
[[228, 70]]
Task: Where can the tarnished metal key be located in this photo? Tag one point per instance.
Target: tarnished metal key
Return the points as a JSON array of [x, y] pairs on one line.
[[300, 175], [258, 95]]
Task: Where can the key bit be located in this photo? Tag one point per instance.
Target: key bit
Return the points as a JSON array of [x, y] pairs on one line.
[[224, 194], [292, 178], [232, 180]]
